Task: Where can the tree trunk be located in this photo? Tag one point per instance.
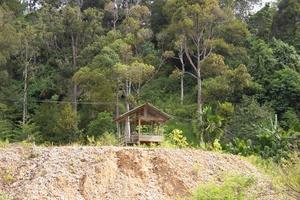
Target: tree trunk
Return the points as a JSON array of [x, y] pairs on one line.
[[74, 66], [25, 101], [182, 77], [182, 88], [25, 90], [127, 122], [116, 15], [199, 96], [199, 105], [117, 110]]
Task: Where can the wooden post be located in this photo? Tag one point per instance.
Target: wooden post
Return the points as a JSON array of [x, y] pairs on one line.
[[139, 129]]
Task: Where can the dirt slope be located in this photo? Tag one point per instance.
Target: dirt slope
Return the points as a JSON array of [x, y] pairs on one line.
[[88, 173]]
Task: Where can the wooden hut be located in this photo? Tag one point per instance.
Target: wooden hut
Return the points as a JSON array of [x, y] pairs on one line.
[[142, 124]]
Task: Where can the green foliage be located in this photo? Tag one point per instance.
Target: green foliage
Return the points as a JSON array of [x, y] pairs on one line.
[[3, 196], [291, 178], [58, 124], [233, 188], [46, 118], [99, 55], [177, 139], [286, 55], [283, 90], [8, 35], [6, 130], [101, 124], [67, 125], [4, 143], [247, 117], [227, 87], [106, 139], [262, 59], [260, 24], [260, 134], [291, 120], [285, 25], [211, 127], [7, 175], [284, 176], [29, 132]]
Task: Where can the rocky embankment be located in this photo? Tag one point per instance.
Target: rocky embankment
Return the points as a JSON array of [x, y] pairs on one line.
[[89, 173]]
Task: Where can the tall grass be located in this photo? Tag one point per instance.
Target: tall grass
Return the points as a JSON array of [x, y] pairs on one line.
[[233, 188], [285, 176]]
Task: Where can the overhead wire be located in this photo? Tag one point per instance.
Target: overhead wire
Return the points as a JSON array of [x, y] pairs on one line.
[[83, 103]]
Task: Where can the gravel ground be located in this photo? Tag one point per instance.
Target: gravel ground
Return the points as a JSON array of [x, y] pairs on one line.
[[115, 173]]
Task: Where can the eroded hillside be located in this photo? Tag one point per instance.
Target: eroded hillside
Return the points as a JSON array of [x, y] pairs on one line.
[[118, 173]]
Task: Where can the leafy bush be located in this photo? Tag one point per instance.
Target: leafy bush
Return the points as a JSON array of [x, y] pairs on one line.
[[241, 147], [268, 166], [103, 123], [6, 130], [29, 131], [4, 143], [67, 125], [7, 175], [233, 188], [253, 130], [107, 139], [58, 123], [216, 145], [183, 125], [177, 139]]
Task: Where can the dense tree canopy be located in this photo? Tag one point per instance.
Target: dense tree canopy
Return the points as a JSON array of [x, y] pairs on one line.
[[224, 73]]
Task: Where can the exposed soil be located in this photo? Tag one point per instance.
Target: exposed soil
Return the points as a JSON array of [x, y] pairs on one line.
[[89, 173]]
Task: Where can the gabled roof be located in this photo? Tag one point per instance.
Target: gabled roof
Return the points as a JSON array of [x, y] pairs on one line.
[[139, 108]]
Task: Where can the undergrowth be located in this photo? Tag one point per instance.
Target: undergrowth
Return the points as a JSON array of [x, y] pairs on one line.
[[3, 196], [285, 176], [233, 188], [3, 144]]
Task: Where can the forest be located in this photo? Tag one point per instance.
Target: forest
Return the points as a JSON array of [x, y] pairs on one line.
[[229, 77]]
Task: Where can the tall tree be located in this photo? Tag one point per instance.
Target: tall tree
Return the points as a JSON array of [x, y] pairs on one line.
[[28, 54], [132, 76], [286, 25], [198, 21], [69, 31], [260, 24], [242, 8], [8, 35]]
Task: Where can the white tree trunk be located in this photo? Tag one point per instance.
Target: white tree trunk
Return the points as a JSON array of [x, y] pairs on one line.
[[117, 110], [74, 66], [182, 76], [127, 120]]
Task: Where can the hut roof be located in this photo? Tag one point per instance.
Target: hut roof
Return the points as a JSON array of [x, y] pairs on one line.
[[149, 107]]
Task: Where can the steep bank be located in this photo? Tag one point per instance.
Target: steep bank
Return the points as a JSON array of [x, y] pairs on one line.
[[117, 173]]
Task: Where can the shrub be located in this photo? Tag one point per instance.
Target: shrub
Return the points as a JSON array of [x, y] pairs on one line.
[[177, 139], [58, 123], [3, 196], [233, 188], [107, 139], [103, 123], [29, 131], [4, 143], [7, 175], [216, 145], [285, 176], [291, 179], [6, 130]]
